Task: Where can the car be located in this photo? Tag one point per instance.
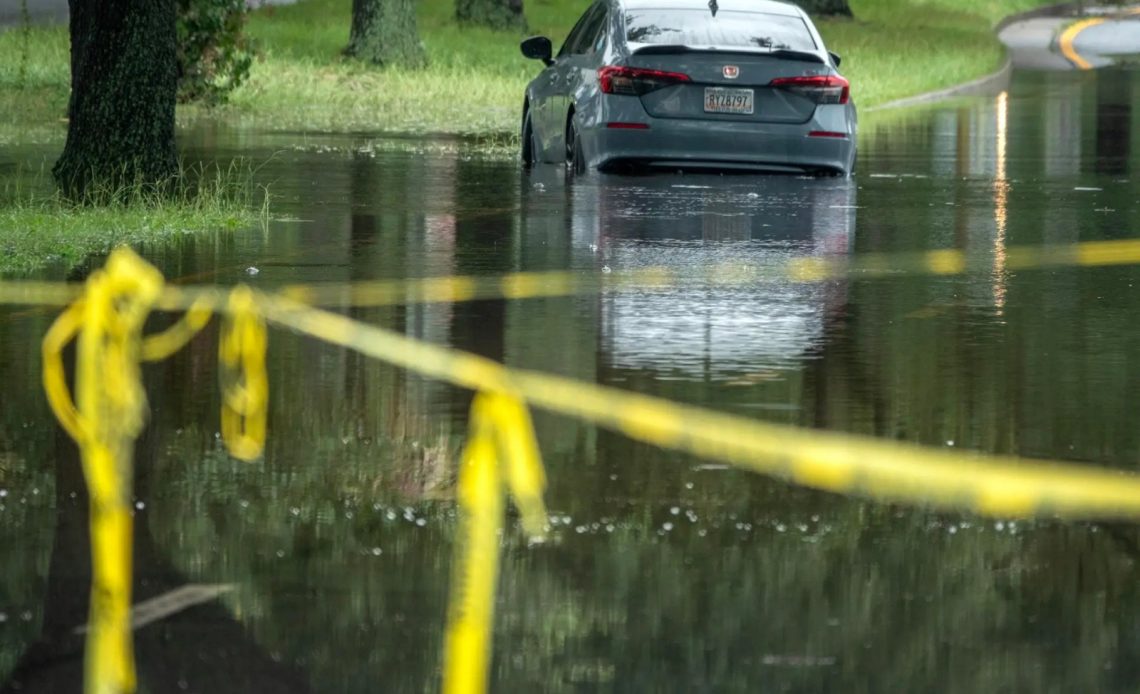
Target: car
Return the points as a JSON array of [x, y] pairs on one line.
[[679, 84]]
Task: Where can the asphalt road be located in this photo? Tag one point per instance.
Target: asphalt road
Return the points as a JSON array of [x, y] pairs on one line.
[[39, 11], [1033, 43], [47, 11]]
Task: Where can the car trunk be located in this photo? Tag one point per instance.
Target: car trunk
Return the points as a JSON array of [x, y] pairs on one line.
[[711, 94]]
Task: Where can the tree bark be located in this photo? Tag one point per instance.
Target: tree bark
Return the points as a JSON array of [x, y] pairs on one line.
[[826, 8], [124, 78], [496, 14], [384, 33]]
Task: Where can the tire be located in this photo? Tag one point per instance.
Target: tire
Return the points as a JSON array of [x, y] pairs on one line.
[[528, 152], [575, 157]]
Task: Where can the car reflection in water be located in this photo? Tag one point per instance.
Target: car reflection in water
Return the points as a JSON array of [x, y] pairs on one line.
[[716, 320]]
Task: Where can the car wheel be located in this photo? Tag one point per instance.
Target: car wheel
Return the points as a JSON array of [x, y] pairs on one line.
[[529, 151], [575, 157]]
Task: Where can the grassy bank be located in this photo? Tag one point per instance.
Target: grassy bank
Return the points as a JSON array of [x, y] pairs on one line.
[[474, 85], [38, 228], [898, 49]]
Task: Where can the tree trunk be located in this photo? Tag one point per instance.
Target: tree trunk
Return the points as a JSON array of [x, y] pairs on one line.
[[825, 8], [123, 82], [384, 33], [497, 14]]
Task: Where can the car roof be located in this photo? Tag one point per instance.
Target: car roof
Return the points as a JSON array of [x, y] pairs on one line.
[[768, 6]]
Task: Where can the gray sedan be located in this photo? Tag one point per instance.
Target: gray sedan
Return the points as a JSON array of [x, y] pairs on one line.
[[728, 84]]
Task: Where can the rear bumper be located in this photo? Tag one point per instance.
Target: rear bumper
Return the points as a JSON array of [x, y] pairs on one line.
[[723, 144]]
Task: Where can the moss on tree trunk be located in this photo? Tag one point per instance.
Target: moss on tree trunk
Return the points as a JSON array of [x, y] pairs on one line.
[[124, 77], [822, 8], [497, 14], [384, 33]]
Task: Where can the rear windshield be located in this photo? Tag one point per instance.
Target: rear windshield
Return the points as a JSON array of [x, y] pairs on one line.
[[728, 29]]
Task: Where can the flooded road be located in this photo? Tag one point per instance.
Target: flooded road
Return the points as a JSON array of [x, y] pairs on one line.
[[663, 573]]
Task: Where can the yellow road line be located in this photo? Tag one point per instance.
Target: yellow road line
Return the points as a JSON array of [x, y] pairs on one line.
[[1070, 35]]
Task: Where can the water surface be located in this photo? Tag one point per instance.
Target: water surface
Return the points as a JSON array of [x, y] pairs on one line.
[[663, 573]]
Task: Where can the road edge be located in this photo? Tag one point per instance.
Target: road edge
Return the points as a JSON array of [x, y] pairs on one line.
[[992, 82]]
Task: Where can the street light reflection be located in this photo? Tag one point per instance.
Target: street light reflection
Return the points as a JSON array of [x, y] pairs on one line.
[[1001, 195]]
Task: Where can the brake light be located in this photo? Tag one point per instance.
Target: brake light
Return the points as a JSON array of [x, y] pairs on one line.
[[822, 89], [636, 81]]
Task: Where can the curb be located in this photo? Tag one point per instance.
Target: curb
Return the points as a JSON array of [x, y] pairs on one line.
[[987, 84]]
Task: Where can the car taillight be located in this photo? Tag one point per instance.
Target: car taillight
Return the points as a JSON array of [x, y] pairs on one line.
[[822, 89], [636, 81]]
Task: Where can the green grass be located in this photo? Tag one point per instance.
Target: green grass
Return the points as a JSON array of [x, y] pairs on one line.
[[38, 228], [893, 49], [34, 84]]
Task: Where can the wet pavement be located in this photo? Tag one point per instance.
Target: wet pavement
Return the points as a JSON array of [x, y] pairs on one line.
[[663, 573], [1100, 36]]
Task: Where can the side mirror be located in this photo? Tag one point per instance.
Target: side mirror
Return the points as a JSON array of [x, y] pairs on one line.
[[538, 48], [835, 58]]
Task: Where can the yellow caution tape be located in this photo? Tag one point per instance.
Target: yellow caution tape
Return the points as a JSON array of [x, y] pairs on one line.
[[105, 420], [530, 285], [245, 384], [467, 641], [991, 485], [500, 447], [502, 455], [163, 345], [108, 412]]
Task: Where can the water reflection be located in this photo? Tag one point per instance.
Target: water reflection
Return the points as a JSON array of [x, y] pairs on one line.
[[706, 325]]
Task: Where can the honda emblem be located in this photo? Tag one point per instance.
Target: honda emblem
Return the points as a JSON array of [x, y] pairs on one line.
[[731, 72]]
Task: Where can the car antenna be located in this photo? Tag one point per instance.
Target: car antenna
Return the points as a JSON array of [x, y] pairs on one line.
[[713, 7]]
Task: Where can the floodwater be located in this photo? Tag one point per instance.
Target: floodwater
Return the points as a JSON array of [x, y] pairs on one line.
[[663, 573]]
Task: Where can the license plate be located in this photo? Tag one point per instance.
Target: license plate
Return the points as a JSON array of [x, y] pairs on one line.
[[722, 100]]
